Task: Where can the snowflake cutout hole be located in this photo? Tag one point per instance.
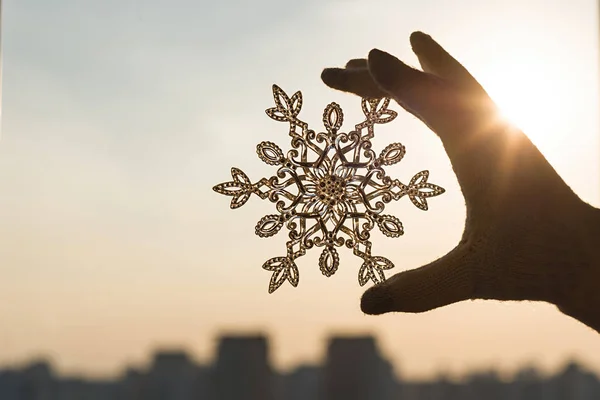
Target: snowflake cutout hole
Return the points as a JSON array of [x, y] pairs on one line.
[[330, 189]]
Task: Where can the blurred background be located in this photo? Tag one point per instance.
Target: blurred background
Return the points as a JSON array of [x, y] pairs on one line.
[[122, 274]]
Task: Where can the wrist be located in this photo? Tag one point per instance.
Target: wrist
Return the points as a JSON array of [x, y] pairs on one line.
[[581, 299]]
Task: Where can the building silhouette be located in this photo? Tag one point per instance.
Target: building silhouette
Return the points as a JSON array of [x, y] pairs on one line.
[[354, 368], [242, 369], [302, 383], [575, 383], [172, 376]]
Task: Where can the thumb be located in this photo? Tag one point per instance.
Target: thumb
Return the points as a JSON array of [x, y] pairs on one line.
[[445, 281]]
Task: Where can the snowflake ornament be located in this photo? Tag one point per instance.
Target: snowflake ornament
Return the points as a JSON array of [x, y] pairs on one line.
[[330, 189]]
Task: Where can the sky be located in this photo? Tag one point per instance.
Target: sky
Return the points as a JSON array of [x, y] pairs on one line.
[[120, 116]]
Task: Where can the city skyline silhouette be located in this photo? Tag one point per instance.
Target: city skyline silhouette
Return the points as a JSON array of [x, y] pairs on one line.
[[354, 368]]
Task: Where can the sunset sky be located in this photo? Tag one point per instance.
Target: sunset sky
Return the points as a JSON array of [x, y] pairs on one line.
[[120, 115]]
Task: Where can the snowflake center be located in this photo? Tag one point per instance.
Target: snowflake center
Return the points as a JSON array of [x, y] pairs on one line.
[[331, 189]]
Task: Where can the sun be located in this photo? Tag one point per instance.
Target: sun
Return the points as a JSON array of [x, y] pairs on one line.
[[525, 104], [525, 98]]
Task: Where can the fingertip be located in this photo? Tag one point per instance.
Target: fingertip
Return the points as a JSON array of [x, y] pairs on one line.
[[332, 76], [357, 63], [384, 68], [356, 81], [390, 73], [377, 300], [418, 39], [377, 56]]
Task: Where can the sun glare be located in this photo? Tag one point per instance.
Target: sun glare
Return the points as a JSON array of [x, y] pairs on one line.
[[525, 104], [527, 100]]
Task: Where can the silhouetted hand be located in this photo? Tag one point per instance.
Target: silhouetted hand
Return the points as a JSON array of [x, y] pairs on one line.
[[527, 236]]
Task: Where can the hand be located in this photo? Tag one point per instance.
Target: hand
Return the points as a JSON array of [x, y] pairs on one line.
[[527, 236]]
